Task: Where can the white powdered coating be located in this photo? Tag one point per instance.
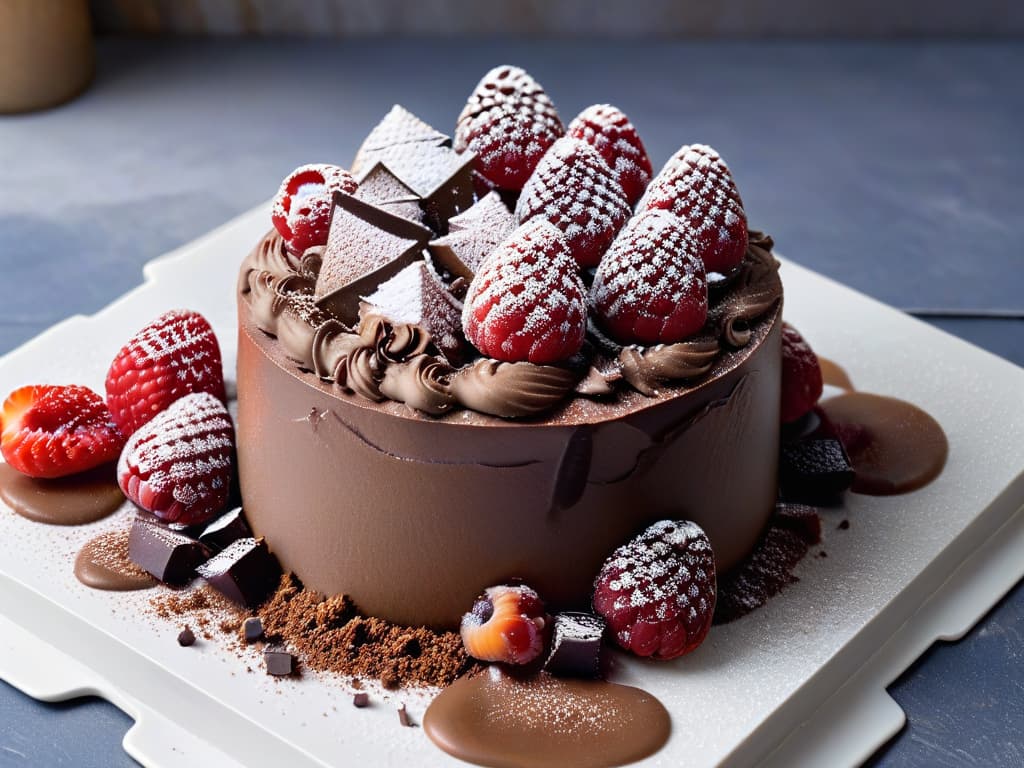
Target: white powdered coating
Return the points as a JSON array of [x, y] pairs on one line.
[[222, 561], [529, 294], [400, 299], [184, 451], [577, 627], [610, 132], [489, 212], [472, 235], [179, 340], [574, 189], [651, 272], [306, 192]]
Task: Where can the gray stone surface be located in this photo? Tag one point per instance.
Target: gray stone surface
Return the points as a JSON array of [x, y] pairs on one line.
[[894, 168]]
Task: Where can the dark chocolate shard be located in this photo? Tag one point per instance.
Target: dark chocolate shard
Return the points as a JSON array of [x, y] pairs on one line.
[[575, 645], [385, 190], [170, 556], [417, 296], [366, 246], [225, 530], [279, 662], [472, 236], [186, 637], [403, 716], [814, 470], [252, 629], [361, 699], [397, 127], [246, 572]]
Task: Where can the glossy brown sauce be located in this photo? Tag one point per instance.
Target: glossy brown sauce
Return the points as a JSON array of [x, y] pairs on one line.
[[73, 500], [894, 446], [834, 375], [103, 564], [545, 722]]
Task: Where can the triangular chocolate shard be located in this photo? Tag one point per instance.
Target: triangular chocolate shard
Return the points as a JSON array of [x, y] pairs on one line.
[[472, 236], [385, 190], [399, 126], [366, 246], [417, 296]]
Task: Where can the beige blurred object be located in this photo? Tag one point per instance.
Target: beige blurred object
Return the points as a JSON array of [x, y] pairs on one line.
[[46, 52]]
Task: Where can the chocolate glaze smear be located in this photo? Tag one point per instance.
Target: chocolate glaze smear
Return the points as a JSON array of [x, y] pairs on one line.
[[73, 500]]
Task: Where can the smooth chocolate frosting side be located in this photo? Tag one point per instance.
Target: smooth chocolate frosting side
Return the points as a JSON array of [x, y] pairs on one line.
[[413, 516]]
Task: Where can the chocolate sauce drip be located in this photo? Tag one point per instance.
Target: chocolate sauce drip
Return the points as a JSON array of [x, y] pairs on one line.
[[894, 446], [72, 500], [834, 374], [545, 722]]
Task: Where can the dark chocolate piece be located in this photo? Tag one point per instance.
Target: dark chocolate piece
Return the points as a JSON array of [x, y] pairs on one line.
[[417, 296], [472, 236], [814, 470], [279, 662], [385, 190], [252, 629], [844, 525], [575, 645], [403, 716], [170, 556], [246, 572], [225, 530], [366, 246], [186, 637], [361, 699]]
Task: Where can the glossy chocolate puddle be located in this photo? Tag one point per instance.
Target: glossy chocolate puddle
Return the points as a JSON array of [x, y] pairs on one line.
[[73, 500], [103, 564], [495, 719]]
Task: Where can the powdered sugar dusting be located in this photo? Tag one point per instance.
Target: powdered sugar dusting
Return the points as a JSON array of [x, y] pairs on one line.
[[574, 189], [610, 132]]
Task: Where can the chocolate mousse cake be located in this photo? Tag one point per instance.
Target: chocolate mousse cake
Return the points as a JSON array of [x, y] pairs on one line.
[[464, 363]]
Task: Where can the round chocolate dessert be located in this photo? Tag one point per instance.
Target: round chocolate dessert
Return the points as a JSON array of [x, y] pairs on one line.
[[377, 467]]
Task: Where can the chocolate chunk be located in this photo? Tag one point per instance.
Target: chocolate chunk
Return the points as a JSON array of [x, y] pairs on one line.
[[844, 525], [385, 190], [575, 645], [246, 572], [252, 629], [170, 556], [186, 637], [421, 158], [403, 716], [279, 662], [366, 246], [472, 236], [814, 470], [417, 296], [361, 699], [225, 530]]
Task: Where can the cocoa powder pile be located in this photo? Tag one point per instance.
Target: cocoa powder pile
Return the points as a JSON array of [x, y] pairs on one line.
[[330, 635]]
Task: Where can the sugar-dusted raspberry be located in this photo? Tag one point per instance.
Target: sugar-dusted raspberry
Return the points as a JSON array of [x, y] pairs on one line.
[[697, 186], [527, 302], [506, 624], [658, 591], [52, 431], [650, 288], [575, 190], [179, 465], [611, 133], [302, 206], [173, 356], [801, 375], [509, 122]]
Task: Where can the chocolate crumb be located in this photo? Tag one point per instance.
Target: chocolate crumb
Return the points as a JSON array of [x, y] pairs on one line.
[[843, 525], [361, 699], [403, 716], [279, 662], [252, 629], [823, 553], [330, 635], [186, 637]]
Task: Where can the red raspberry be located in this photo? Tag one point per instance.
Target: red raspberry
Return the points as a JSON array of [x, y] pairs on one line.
[[697, 186], [658, 591], [527, 302], [303, 204], [650, 288], [610, 132], [801, 375], [509, 122], [506, 624], [174, 355], [179, 465], [575, 190], [51, 431]]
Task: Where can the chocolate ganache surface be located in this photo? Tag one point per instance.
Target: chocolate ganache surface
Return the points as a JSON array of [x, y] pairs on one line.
[[376, 468]]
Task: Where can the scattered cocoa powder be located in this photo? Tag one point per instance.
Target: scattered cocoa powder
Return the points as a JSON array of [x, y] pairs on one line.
[[204, 605], [792, 531], [331, 635]]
